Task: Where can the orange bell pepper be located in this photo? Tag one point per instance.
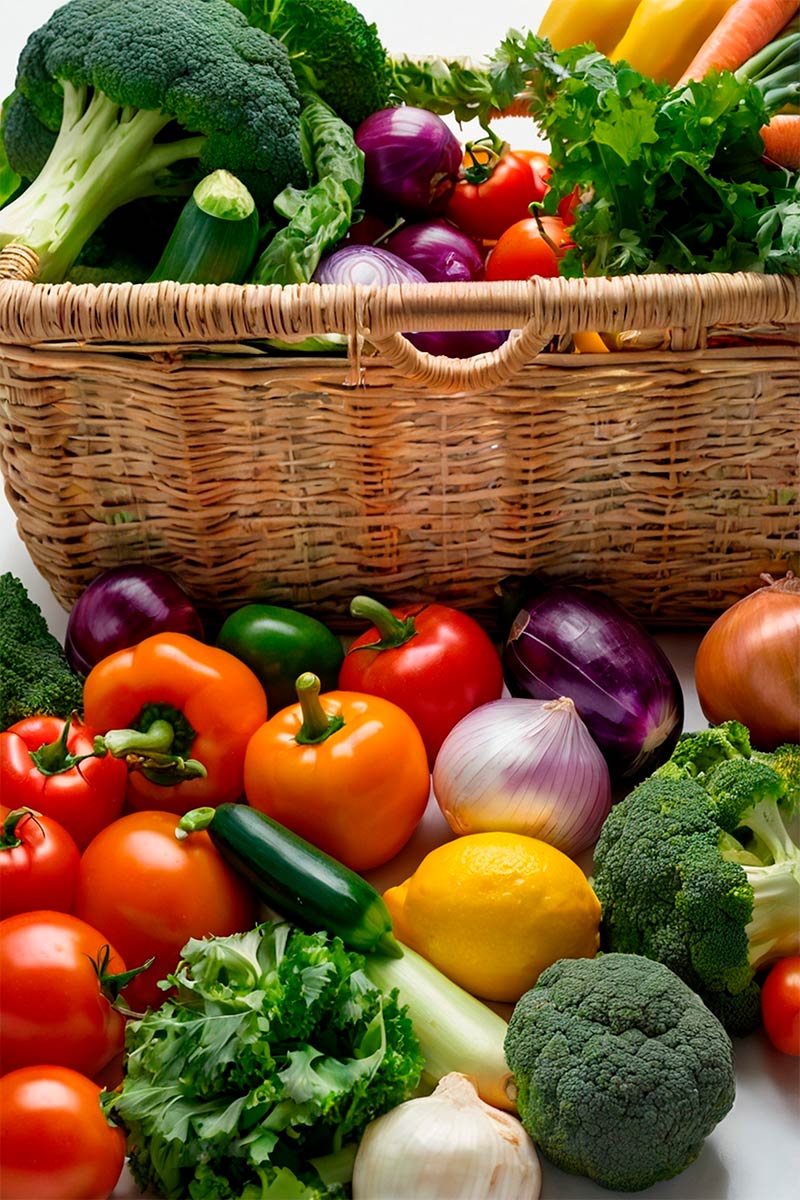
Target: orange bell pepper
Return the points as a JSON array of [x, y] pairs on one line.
[[346, 771], [180, 713]]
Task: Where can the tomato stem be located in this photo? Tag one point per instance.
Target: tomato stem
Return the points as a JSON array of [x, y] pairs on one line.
[[54, 758], [9, 838], [195, 821], [392, 631], [317, 725]]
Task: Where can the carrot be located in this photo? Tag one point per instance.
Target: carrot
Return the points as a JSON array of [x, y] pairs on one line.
[[781, 140], [745, 28]]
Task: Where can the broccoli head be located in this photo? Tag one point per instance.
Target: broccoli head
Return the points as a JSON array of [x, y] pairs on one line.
[[146, 97], [35, 677], [333, 49], [621, 1070], [696, 869], [28, 142]]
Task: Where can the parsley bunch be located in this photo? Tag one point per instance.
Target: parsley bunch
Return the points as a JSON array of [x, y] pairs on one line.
[[670, 180], [259, 1076]]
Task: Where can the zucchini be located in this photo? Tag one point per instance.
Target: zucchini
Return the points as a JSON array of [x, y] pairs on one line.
[[297, 880], [215, 236]]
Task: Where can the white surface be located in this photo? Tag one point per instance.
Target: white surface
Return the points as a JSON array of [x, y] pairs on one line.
[[755, 1153]]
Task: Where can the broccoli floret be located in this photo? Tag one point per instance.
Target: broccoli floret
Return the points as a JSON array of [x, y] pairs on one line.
[[28, 142], [621, 1070], [701, 874], [333, 49], [698, 752], [148, 96], [35, 677]]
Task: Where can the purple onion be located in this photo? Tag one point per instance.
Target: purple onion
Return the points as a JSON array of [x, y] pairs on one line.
[[458, 343], [440, 251], [121, 607], [572, 641], [367, 265], [411, 160]]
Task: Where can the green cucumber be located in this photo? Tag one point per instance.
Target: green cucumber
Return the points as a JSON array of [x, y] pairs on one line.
[[302, 883], [215, 236]]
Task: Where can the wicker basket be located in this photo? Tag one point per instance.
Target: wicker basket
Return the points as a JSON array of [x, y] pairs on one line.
[[147, 422]]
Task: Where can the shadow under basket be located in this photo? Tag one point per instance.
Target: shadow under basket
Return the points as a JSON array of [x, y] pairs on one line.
[[159, 423]]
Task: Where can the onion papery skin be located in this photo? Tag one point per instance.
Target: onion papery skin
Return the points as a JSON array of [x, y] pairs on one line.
[[120, 607], [747, 667], [524, 766], [412, 161], [571, 641]]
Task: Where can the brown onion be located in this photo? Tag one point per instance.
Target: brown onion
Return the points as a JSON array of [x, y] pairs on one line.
[[748, 664]]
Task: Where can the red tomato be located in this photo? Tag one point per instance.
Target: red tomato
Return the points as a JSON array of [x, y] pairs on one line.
[[780, 1005], [55, 1143], [485, 210], [39, 770], [38, 863], [52, 1006], [540, 165], [439, 670], [522, 251], [149, 893]]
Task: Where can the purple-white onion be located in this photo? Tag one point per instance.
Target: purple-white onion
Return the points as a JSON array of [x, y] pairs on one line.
[[411, 160], [572, 641], [120, 607], [524, 766], [374, 266], [368, 265], [440, 251]]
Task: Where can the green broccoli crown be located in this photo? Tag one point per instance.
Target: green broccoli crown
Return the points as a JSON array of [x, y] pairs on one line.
[[699, 752], [197, 61], [35, 677], [622, 1072], [148, 96], [333, 49], [701, 873], [785, 761]]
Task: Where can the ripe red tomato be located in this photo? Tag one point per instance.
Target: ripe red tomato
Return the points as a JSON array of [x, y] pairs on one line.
[[52, 1006], [522, 251], [485, 210], [149, 893], [55, 1143], [38, 863], [780, 1005], [433, 661]]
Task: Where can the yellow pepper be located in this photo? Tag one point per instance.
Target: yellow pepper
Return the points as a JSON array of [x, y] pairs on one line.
[[664, 35], [572, 22]]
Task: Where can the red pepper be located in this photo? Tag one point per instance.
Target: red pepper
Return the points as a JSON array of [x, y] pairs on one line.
[[434, 662], [49, 764], [180, 712]]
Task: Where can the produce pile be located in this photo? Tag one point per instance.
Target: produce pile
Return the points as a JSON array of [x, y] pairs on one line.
[[277, 142], [200, 977]]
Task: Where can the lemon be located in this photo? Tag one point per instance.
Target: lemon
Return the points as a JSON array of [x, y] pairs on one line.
[[492, 910]]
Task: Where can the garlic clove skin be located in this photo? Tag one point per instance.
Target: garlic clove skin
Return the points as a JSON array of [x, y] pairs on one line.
[[450, 1145]]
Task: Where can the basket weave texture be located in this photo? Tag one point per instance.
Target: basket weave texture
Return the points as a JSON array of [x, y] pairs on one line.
[[149, 423]]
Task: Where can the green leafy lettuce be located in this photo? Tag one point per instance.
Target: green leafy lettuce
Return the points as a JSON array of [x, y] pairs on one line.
[[256, 1078]]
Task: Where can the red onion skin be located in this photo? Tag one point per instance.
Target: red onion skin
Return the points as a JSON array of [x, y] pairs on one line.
[[120, 607], [440, 251], [572, 641], [411, 161]]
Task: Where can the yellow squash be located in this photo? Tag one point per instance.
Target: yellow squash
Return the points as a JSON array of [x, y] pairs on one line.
[[572, 22], [664, 35]]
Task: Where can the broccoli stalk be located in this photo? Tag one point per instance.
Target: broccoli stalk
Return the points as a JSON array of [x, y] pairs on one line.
[[697, 869], [146, 96], [105, 155]]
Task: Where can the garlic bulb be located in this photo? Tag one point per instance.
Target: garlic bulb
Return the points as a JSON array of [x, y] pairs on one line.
[[446, 1146]]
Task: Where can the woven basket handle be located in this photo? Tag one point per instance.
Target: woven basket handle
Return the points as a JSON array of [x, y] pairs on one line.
[[483, 371]]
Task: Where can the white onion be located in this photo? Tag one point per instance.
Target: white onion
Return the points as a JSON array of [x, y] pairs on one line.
[[524, 766]]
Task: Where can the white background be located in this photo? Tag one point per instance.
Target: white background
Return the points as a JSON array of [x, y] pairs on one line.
[[754, 1154]]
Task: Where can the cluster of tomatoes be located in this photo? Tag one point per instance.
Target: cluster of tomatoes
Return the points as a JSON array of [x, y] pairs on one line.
[[496, 211]]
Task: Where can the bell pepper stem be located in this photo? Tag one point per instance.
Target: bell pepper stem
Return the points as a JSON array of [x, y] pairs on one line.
[[148, 751], [318, 725], [392, 630]]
